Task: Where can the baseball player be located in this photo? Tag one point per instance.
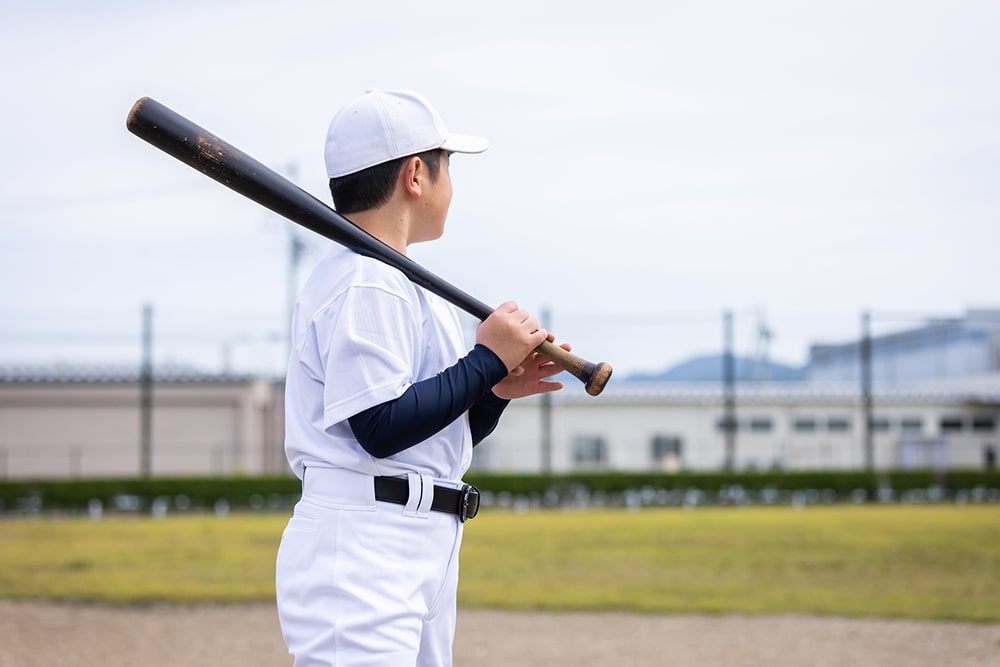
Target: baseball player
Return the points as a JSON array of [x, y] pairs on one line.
[[383, 405]]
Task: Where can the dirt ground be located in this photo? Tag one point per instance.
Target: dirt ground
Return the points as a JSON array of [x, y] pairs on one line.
[[78, 635]]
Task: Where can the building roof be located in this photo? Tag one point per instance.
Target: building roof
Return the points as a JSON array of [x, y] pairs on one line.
[[976, 324], [59, 373]]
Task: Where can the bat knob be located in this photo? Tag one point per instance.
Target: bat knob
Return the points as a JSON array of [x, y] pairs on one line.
[[597, 378]]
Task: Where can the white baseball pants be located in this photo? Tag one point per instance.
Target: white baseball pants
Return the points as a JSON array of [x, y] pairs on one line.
[[362, 583]]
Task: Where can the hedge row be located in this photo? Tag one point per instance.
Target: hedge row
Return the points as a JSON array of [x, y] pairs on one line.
[[274, 493]]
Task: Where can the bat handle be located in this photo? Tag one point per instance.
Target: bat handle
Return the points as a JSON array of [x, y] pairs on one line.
[[594, 376]]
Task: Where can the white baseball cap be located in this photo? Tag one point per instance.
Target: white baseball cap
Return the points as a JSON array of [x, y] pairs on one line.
[[383, 125]]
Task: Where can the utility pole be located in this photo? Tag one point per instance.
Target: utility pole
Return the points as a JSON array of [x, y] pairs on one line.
[[546, 399], [146, 394], [762, 363], [296, 249], [729, 392], [866, 391]]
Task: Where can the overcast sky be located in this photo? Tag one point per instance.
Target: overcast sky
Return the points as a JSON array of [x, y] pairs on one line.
[[651, 165]]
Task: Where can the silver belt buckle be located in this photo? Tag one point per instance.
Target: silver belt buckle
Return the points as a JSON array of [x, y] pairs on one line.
[[468, 506]]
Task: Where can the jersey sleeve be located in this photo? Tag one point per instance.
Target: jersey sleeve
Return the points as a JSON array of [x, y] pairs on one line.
[[371, 350]]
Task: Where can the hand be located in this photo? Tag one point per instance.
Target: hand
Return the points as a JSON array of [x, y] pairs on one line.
[[528, 378], [511, 333]]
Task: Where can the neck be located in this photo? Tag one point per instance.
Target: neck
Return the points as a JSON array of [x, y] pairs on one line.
[[389, 224]]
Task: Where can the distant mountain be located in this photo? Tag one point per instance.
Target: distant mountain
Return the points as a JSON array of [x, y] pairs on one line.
[[709, 369]]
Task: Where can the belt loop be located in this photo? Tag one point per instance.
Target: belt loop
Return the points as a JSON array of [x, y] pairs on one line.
[[427, 498], [415, 497]]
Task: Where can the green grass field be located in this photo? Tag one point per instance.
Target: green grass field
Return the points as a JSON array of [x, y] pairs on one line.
[[925, 562]]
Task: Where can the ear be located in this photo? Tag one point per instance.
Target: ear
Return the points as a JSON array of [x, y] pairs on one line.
[[412, 175]]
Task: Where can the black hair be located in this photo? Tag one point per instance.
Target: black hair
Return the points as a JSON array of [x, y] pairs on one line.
[[372, 187]]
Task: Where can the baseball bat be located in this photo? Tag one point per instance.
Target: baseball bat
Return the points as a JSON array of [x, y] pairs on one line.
[[198, 148]]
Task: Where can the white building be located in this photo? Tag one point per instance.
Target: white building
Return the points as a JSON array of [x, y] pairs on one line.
[[780, 425], [58, 422]]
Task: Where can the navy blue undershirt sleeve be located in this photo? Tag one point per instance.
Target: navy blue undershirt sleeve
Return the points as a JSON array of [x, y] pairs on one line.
[[485, 415], [428, 406]]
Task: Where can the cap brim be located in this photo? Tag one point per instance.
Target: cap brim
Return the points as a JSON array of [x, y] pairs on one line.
[[465, 143]]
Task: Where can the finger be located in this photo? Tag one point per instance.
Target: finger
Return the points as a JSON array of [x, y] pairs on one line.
[[546, 387], [549, 370], [541, 361]]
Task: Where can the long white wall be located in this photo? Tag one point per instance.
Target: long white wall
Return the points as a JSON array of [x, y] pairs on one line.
[[82, 429]]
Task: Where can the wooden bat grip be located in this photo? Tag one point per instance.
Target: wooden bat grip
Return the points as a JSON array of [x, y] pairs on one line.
[[594, 376]]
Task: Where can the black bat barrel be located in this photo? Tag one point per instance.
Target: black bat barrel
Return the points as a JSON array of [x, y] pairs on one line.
[[193, 145]]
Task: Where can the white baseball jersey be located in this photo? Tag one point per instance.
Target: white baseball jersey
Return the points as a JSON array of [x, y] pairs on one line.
[[362, 334]]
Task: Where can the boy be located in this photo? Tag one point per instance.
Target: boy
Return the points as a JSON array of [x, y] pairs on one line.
[[383, 405]]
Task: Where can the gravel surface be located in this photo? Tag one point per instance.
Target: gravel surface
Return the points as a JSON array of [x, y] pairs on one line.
[[81, 635]]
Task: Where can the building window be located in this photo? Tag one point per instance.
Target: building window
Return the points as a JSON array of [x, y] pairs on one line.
[[838, 424], [589, 451], [722, 422], [804, 424], [666, 451], [880, 424], [983, 424], [752, 424], [911, 425], [951, 424]]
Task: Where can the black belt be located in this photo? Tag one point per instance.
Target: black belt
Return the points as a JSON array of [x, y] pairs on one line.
[[463, 502]]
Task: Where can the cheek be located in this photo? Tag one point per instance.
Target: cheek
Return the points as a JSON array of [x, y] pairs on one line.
[[442, 199]]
